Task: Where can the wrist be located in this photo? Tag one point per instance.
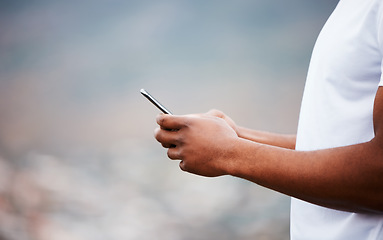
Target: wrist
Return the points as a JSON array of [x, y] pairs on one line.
[[240, 156]]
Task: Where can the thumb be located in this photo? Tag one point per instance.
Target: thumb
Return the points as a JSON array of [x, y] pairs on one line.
[[167, 121]]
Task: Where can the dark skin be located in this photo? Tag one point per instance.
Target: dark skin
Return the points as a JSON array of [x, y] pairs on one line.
[[345, 178]]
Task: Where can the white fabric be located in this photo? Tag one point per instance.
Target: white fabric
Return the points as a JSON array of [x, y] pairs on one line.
[[344, 75]]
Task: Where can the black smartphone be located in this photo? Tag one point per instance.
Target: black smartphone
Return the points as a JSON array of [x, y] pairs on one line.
[[155, 102]]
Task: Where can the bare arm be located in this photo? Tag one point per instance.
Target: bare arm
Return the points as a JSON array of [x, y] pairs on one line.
[[274, 139], [345, 178]]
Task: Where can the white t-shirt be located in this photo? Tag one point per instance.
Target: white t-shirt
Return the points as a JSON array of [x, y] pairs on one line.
[[344, 75]]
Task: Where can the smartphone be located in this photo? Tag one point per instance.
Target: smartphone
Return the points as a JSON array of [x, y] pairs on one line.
[[155, 102]]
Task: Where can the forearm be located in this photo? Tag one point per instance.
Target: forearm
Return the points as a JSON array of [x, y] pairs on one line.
[[346, 178], [279, 140]]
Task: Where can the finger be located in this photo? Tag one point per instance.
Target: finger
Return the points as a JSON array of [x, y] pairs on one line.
[[168, 129], [215, 113], [168, 145], [170, 121], [182, 166], [166, 138], [174, 153]]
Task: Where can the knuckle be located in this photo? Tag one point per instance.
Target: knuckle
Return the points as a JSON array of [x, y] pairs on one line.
[[165, 145], [185, 122], [172, 154], [183, 166], [158, 134], [188, 122], [215, 112], [187, 166]]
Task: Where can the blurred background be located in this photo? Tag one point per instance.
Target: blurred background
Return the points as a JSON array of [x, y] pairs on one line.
[[78, 160]]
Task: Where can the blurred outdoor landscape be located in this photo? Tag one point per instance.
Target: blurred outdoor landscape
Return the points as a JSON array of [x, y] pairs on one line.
[[78, 160]]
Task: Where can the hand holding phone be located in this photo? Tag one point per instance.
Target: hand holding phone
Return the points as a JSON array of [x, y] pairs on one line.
[[155, 102]]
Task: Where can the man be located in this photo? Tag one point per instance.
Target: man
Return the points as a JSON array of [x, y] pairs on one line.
[[333, 168]]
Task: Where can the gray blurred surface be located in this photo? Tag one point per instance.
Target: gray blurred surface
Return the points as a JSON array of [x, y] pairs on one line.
[[77, 156]]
